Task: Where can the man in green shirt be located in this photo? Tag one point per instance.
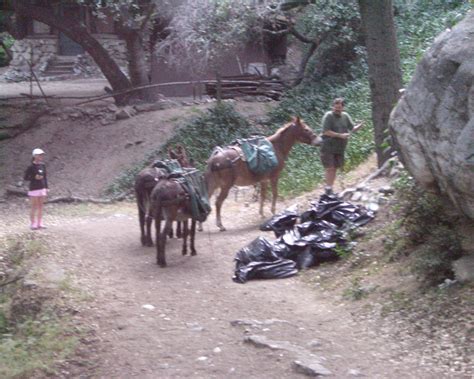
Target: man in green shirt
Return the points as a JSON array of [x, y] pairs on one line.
[[337, 128]]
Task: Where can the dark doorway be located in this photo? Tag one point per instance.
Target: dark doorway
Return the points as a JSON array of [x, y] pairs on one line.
[[66, 45]]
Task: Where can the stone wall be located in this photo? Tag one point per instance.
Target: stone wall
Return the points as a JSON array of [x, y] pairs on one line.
[[38, 51], [41, 51]]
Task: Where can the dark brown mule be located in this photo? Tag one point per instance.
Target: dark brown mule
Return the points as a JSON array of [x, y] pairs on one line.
[[170, 203], [225, 167], [180, 154], [145, 181]]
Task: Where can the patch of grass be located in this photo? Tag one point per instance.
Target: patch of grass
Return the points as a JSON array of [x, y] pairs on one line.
[[397, 301], [35, 345], [425, 232], [33, 337], [356, 291]]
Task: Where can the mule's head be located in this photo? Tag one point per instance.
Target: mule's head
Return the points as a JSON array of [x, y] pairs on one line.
[[180, 155], [304, 133]]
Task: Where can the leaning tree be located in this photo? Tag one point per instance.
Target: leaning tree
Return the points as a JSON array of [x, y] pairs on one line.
[[139, 22]]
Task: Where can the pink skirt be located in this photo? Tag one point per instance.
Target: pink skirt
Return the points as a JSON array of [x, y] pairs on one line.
[[37, 193]]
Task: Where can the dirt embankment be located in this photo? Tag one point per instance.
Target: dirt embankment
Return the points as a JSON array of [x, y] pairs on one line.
[[84, 153]]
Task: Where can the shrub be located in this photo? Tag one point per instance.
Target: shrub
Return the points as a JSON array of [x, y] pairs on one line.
[[426, 232], [218, 126]]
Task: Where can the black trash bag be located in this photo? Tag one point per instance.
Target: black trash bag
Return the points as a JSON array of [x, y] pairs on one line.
[[310, 227], [306, 259], [281, 222], [282, 268], [259, 250], [332, 209], [282, 250], [293, 239], [325, 255], [364, 218]]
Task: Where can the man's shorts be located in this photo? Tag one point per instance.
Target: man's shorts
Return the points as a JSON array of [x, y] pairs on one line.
[[330, 160]]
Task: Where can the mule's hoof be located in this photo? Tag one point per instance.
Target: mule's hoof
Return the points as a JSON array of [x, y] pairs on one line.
[[222, 229], [184, 252], [162, 264], [193, 252]]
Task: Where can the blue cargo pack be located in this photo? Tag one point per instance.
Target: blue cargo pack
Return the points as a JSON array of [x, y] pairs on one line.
[[259, 154]]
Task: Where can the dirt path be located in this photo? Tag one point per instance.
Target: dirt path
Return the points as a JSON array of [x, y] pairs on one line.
[[200, 317]]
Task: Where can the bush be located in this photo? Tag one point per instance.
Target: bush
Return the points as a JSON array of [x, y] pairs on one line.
[[218, 126], [8, 41], [304, 169], [426, 232]]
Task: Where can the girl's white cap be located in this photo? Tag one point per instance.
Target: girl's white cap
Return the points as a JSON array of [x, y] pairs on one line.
[[37, 152]]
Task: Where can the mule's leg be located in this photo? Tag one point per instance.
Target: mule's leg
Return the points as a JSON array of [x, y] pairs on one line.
[[185, 234], [149, 239], [160, 238], [141, 218], [263, 195], [193, 235], [274, 183], [219, 201], [179, 232], [161, 257], [199, 227]]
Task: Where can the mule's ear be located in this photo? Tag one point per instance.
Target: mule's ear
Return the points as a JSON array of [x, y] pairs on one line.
[[297, 120]]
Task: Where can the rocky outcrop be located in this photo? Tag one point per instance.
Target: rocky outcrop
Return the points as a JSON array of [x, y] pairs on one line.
[[433, 122]]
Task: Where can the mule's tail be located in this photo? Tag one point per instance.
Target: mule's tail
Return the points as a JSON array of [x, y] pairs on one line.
[[210, 181]]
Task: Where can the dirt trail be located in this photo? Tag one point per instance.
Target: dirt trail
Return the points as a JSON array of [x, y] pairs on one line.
[[189, 333]]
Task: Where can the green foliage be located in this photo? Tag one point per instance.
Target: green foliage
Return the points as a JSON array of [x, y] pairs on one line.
[[34, 345], [303, 169], [202, 30], [419, 22], [425, 232], [32, 338], [8, 41], [355, 291], [218, 126]]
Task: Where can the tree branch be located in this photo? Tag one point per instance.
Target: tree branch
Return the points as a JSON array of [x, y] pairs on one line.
[[301, 37], [304, 63]]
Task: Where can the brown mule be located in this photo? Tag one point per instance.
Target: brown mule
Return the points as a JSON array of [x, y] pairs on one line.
[[225, 168], [145, 181], [170, 202]]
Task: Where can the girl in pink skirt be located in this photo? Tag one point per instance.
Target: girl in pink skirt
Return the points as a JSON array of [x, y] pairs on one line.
[[36, 175]]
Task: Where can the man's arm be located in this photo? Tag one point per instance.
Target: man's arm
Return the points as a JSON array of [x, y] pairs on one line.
[[333, 134], [358, 126]]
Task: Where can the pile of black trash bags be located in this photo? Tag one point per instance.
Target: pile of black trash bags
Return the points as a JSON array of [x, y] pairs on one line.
[[300, 245]]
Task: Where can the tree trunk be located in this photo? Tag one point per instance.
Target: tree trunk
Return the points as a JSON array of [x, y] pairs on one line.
[[138, 68], [304, 63], [385, 76], [78, 33]]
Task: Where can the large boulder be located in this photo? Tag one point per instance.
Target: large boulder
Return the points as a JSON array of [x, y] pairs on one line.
[[433, 122]]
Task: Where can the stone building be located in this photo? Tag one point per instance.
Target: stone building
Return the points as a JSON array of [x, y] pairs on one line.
[[52, 53]]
